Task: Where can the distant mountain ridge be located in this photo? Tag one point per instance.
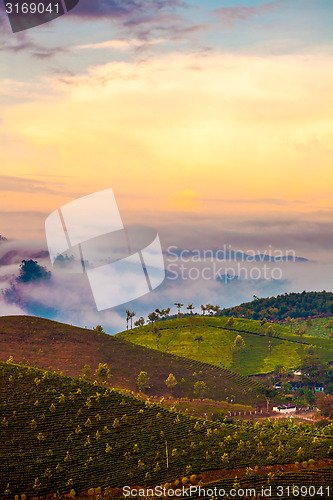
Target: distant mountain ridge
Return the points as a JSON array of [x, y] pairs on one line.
[[228, 254]]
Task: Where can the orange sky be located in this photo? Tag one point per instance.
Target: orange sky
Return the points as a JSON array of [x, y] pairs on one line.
[[176, 133]]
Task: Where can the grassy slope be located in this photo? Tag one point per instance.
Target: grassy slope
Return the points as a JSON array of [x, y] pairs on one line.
[[48, 344], [318, 328], [58, 433], [216, 347]]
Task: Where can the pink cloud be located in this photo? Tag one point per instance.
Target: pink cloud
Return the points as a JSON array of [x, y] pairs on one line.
[[229, 15]]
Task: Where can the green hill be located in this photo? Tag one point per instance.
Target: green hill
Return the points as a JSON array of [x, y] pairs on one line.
[[319, 327], [60, 435], [295, 305], [51, 345], [261, 354]]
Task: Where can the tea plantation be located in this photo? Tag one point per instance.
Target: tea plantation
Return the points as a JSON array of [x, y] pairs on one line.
[[60, 434], [262, 353]]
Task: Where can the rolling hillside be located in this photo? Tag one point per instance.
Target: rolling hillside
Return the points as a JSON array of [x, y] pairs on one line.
[[295, 305], [319, 327], [63, 436], [50, 345], [216, 347]]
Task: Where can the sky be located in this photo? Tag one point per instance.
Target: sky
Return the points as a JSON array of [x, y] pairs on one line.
[[211, 121]]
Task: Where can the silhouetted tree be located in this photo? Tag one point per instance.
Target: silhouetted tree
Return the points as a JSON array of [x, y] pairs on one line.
[[99, 329], [179, 305], [131, 316], [190, 308], [30, 270], [153, 317], [139, 322]]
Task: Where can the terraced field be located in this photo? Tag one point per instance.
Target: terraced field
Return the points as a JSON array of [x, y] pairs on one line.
[[261, 354], [319, 328], [61, 435]]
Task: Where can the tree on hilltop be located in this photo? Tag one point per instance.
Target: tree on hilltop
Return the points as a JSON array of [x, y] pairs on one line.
[[139, 322], [153, 317], [179, 305], [99, 329]]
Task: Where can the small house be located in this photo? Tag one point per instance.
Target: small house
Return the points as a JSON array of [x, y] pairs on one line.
[[319, 388], [288, 408]]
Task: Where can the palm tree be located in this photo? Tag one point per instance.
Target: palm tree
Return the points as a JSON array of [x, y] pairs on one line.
[[204, 309], [128, 315], [178, 305], [152, 317], [132, 314], [166, 312], [209, 309], [190, 308], [163, 313]]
